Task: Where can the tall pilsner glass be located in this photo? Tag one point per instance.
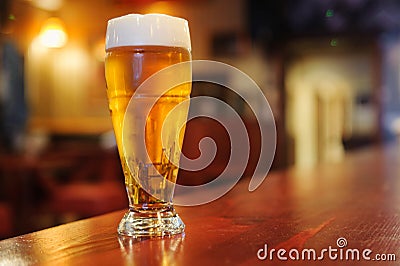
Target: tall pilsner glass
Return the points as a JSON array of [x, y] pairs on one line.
[[138, 46]]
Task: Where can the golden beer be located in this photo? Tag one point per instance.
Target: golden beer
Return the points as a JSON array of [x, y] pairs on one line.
[[126, 68], [120, 62]]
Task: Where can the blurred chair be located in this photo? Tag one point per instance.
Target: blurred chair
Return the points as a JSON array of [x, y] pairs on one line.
[[82, 181], [6, 225], [17, 185]]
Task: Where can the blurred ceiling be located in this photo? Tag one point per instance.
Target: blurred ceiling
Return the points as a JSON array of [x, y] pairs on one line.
[[275, 19], [343, 15]]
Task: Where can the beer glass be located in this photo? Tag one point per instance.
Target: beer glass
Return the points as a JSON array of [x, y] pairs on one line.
[[137, 48]]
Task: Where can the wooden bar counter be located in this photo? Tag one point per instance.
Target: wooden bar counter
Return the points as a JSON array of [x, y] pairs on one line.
[[345, 213]]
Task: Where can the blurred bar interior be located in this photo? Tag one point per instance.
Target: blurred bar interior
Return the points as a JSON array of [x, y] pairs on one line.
[[329, 69]]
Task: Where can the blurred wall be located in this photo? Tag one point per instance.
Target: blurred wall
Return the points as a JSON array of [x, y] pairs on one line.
[[330, 97]]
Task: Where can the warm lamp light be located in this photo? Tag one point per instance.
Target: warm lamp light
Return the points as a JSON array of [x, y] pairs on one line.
[[53, 33]]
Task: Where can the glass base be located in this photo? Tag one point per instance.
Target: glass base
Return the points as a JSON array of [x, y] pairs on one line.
[[136, 224]]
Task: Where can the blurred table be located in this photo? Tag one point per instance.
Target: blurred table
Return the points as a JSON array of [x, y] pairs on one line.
[[347, 208]]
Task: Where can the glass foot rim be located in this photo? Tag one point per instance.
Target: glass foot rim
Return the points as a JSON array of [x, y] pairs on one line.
[[150, 226]]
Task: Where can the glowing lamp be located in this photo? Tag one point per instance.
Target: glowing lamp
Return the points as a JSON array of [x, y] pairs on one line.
[[53, 34]]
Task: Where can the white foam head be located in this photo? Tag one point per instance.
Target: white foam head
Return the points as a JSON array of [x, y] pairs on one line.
[[149, 29]]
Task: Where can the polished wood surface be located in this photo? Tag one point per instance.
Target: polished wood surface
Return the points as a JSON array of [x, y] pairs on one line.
[[357, 199]]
